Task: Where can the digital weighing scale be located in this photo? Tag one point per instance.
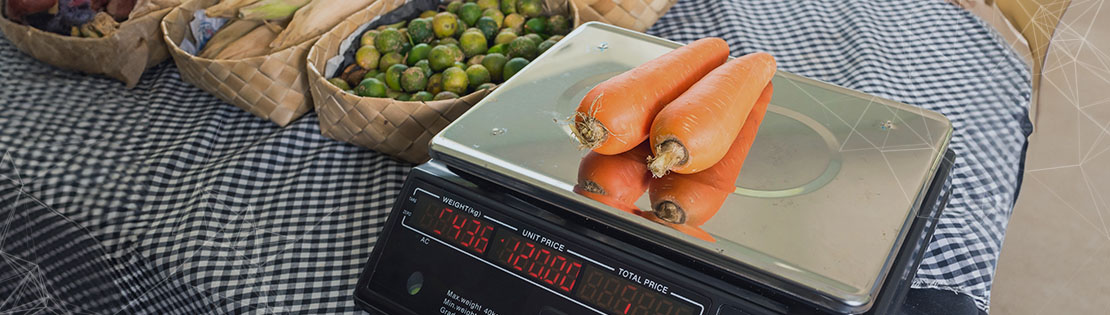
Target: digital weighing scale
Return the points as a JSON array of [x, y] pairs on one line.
[[832, 212]]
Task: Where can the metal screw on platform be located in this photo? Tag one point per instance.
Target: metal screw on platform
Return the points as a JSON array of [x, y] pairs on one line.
[[497, 131], [887, 125], [603, 46]]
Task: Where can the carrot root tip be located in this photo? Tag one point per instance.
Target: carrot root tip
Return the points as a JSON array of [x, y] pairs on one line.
[[670, 153], [670, 212], [590, 132]]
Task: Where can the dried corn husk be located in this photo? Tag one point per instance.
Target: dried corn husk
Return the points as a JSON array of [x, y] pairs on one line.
[[270, 86], [228, 34], [271, 9], [227, 8], [251, 45], [316, 18]]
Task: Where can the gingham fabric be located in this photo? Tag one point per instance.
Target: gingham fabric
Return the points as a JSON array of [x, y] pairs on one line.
[[164, 200]]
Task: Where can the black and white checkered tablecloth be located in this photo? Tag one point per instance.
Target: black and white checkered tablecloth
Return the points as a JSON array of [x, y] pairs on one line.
[[164, 200]]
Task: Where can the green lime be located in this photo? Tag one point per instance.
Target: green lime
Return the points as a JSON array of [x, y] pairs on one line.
[[512, 67], [473, 43], [555, 38], [367, 38], [535, 38], [413, 80], [380, 77], [530, 8], [487, 27], [390, 59], [393, 76], [476, 60], [367, 57], [521, 47], [494, 15], [544, 46], [460, 65], [418, 52], [389, 40], [508, 7], [476, 75], [515, 22], [454, 6], [339, 83], [405, 48], [440, 57], [456, 52], [504, 37], [469, 13], [445, 95], [536, 25], [487, 85], [422, 96], [494, 63], [445, 24], [557, 24], [435, 83], [463, 26], [424, 65], [370, 88], [455, 80], [397, 25], [496, 49], [372, 73], [427, 14], [489, 4], [404, 97], [447, 41], [421, 31], [392, 94]]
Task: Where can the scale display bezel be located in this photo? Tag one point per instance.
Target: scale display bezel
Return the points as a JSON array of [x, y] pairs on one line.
[[684, 282]]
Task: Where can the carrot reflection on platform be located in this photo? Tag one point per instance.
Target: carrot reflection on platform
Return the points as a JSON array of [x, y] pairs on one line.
[[615, 180], [686, 201]]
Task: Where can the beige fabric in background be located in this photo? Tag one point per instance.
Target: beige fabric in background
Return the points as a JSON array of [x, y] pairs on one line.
[[1058, 240]]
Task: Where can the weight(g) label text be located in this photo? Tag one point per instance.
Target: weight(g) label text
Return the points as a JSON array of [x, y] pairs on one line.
[[454, 303]]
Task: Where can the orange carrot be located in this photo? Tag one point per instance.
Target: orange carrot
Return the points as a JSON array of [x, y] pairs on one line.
[[692, 199], [616, 115], [693, 132], [615, 180]]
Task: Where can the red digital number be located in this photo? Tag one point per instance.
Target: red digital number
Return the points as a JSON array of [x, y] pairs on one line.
[[571, 274], [626, 297], [457, 225], [536, 267], [483, 237], [442, 221], [521, 259]]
